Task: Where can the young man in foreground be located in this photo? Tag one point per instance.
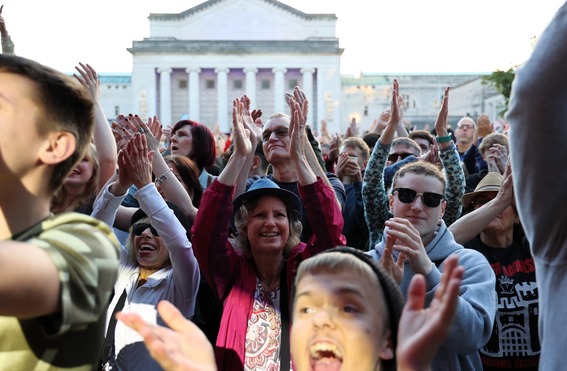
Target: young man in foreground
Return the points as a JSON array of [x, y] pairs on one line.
[[57, 272]]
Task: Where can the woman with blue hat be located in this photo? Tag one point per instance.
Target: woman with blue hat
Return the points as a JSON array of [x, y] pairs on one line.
[[252, 274]]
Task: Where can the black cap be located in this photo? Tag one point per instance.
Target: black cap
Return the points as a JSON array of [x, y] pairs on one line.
[[139, 214]]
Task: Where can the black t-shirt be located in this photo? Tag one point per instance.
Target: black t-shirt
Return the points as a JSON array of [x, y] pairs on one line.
[[514, 343]]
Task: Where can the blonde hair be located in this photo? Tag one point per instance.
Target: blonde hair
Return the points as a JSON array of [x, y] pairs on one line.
[[62, 201], [420, 168], [356, 142], [492, 139]]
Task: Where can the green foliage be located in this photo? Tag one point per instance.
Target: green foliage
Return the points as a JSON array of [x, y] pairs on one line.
[[502, 81]]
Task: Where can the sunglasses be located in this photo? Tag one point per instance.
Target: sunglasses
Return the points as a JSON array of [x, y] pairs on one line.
[[429, 199], [280, 133], [394, 156], [139, 228]]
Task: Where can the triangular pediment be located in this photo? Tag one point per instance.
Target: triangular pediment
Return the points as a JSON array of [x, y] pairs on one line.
[[242, 20]]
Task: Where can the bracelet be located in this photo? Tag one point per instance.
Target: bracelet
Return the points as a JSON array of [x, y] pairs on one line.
[[444, 139], [163, 177]]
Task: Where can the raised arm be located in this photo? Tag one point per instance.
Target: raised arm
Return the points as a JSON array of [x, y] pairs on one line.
[[170, 186], [138, 157], [374, 194], [243, 145], [216, 256], [107, 203], [299, 146], [103, 138], [470, 225], [253, 124], [299, 105], [7, 44], [451, 163]]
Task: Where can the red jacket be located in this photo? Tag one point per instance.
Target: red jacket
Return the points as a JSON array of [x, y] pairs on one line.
[[232, 274]]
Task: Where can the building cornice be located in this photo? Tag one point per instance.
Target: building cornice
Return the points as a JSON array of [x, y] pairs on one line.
[[174, 46]]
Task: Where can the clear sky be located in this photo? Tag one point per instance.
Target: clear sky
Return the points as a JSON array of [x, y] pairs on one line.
[[395, 36]]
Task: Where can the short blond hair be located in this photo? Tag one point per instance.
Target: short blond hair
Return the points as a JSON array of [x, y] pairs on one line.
[[420, 167]]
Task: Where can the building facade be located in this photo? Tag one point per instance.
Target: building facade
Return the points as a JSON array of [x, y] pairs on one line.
[[196, 62]]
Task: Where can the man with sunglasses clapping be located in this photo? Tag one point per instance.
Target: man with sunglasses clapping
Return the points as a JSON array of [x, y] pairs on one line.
[[416, 241]]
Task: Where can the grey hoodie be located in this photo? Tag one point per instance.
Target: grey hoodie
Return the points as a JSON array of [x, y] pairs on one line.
[[477, 300]]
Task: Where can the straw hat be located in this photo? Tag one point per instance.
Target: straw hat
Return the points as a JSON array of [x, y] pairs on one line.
[[490, 183]]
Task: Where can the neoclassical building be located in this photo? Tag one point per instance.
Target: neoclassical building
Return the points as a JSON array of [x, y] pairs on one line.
[[196, 62]]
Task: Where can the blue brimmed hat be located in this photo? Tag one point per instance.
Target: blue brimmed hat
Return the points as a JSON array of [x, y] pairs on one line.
[[265, 186]]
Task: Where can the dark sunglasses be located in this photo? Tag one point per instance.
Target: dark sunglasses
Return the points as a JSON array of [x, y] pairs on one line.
[[139, 228], [394, 156], [280, 133], [429, 199]]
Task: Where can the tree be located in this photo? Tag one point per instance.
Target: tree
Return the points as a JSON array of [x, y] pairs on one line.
[[502, 81]]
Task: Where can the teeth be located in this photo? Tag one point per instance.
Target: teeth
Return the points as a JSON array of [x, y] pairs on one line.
[[269, 234], [325, 350], [147, 247]]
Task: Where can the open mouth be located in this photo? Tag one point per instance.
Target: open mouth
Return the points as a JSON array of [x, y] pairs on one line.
[[325, 357], [147, 247]]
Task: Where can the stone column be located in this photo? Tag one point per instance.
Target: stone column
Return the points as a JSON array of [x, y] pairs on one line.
[[251, 84], [279, 89], [307, 87], [194, 92], [222, 99], [165, 96], [321, 107]]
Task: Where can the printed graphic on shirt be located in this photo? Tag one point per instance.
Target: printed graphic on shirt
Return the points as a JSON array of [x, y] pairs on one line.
[[514, 343]]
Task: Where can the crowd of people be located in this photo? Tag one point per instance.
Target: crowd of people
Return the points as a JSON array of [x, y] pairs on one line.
[[137, 246]]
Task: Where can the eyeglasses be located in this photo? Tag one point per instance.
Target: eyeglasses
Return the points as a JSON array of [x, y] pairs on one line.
[[394, 156], [280, 133], [139, 228], [429, 199], [465, 127]]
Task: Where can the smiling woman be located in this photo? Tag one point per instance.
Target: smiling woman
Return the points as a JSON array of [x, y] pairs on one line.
[[156, 263], [252, 276]]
